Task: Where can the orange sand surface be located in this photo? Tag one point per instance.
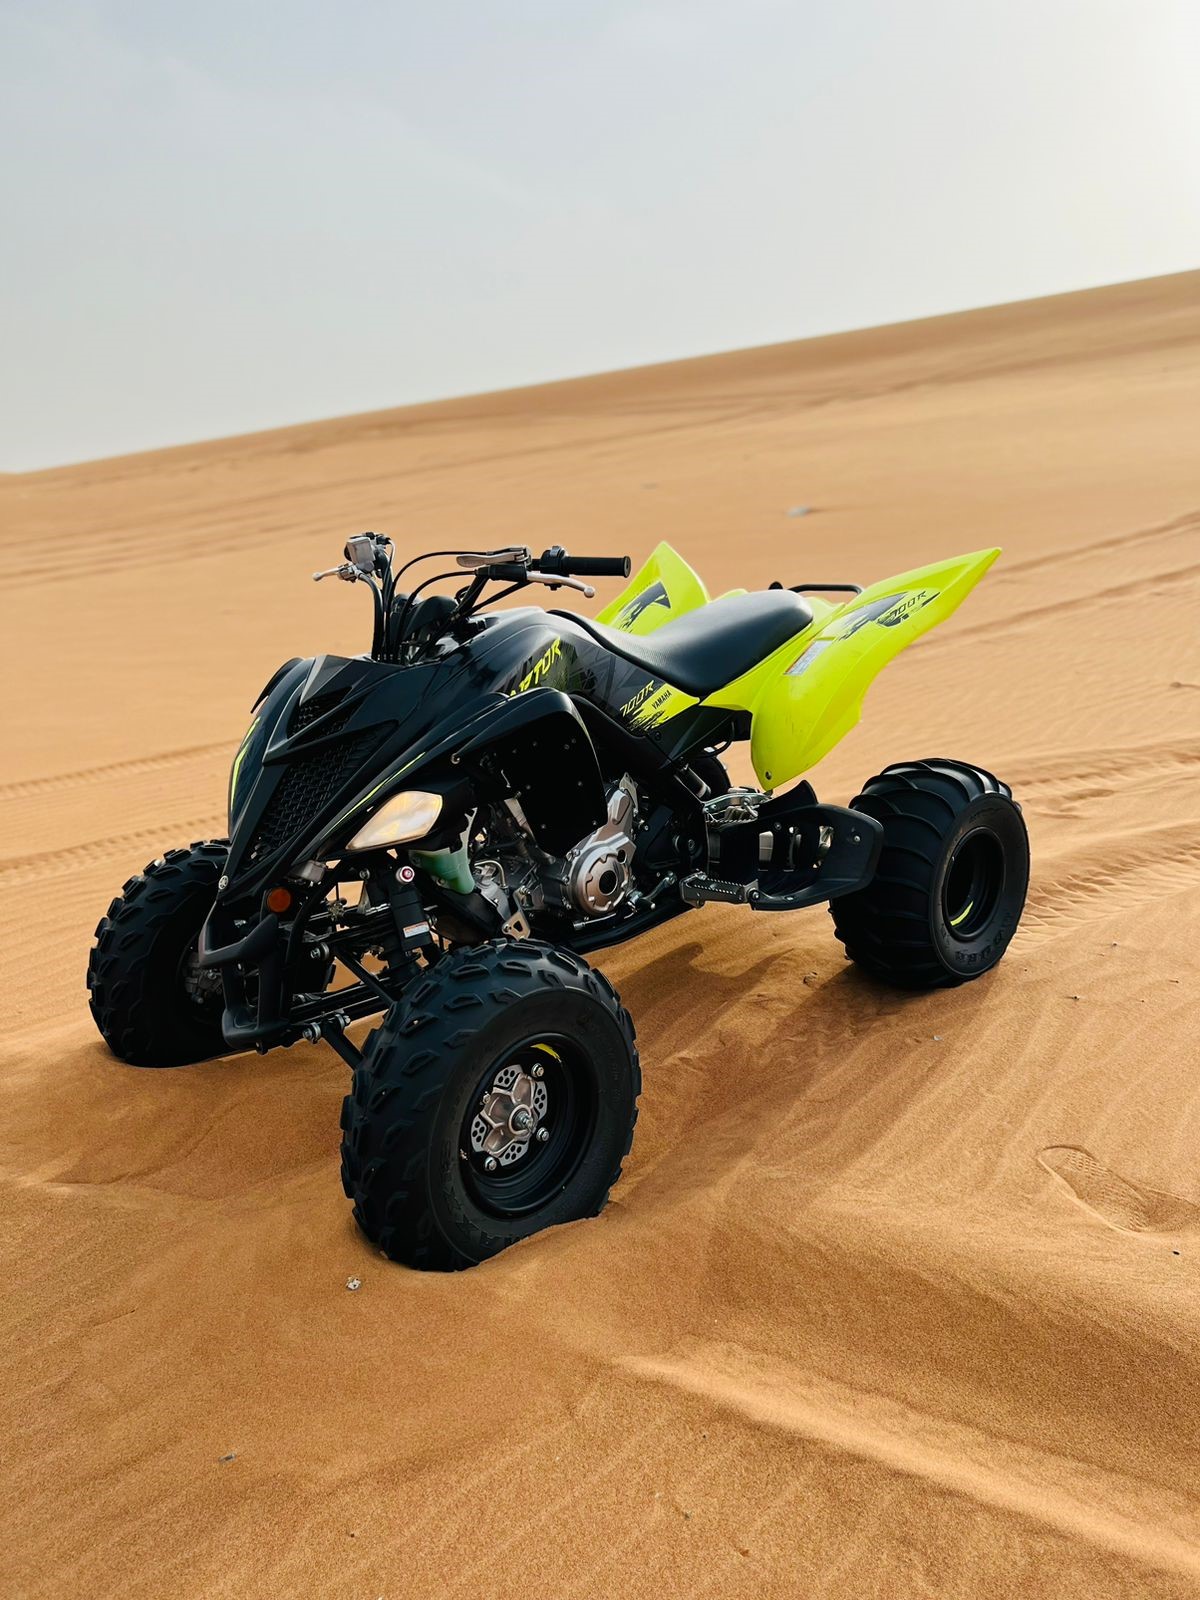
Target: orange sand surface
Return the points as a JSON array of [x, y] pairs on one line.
[[899, 1295]]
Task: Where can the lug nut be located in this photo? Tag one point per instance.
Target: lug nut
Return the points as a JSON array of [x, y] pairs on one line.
[[537, 1070], [542, 1135], [490, 1164]]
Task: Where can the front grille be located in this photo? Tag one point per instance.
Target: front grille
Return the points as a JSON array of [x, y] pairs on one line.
[[308, 784], [309, 710]]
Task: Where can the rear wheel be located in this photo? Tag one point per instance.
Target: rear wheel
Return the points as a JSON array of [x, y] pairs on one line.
[[150, 1000], [950, 885], [498, 1097]]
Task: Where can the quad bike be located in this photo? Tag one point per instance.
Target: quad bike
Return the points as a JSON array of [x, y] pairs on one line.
[[456, 819]]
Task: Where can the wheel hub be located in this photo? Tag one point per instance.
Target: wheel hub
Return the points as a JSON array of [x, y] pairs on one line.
[[509, 1118], [202, 984]]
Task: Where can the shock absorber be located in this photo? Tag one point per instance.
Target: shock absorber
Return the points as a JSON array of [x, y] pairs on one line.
[[412, 930]]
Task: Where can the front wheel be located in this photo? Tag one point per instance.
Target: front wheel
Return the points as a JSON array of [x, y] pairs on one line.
[[950, 885], [498, 1097], [153, 1004]]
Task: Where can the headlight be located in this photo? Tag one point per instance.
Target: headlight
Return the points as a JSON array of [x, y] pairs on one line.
[[404, 817]]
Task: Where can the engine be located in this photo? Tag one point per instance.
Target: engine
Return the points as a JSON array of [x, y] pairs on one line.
[[592, 879], [597, 874]]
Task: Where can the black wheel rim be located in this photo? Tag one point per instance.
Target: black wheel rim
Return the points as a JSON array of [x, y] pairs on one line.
[[972, 884], [526, 1180]]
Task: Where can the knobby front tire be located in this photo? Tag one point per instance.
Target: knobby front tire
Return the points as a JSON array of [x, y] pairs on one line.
[[485, 1024]]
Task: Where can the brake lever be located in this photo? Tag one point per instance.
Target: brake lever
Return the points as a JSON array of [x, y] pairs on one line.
[[348, 573], [555, 580]]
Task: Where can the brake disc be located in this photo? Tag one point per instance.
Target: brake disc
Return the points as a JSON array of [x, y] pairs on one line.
[[510, 1118]]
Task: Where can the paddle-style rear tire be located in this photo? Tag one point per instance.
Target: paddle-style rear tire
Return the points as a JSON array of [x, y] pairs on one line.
[[950, 886], [152, 1005], [497, 1097]]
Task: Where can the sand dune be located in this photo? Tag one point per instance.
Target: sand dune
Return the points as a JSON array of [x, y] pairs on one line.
[[900, 1296]]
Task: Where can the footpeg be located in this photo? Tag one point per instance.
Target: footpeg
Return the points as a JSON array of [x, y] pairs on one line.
[[698, 887]]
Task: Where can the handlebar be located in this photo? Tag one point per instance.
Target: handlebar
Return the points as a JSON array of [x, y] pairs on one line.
[[369, 560], [557, 560], [518, 574]]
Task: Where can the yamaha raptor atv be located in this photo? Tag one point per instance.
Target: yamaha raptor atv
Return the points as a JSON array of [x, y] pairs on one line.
[[442, 830]]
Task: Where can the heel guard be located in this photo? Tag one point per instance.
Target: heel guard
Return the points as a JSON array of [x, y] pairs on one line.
[[793, 852]]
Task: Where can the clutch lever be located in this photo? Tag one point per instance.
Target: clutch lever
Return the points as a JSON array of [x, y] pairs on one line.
[[347, 571]]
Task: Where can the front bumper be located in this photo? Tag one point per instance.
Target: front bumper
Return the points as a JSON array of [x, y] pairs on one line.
[[260, 955], [267, 973]]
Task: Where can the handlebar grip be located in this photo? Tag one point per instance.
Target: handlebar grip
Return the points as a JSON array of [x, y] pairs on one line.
[[591, 566]]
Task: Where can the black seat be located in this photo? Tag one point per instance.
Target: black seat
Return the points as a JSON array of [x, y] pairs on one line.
[[711, 646]]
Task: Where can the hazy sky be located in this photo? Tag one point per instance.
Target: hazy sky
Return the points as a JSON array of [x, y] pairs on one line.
[[217, 216]]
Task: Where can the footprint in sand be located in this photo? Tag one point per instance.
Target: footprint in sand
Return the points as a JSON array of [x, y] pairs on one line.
[[1114, 1199]]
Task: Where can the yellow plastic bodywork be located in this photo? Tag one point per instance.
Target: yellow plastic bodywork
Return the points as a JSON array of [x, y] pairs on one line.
[[663, 589], [808, 694]]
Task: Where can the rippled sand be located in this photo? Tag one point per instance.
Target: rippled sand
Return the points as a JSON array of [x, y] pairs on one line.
[[899, 1296]]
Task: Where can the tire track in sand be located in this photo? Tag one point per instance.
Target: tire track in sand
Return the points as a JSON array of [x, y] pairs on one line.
[[1148, 584], [1186, 522], [134, 767], [1119, 873], [72, 859]]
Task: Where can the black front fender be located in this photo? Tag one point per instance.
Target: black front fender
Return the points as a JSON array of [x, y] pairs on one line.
[[536, 745]]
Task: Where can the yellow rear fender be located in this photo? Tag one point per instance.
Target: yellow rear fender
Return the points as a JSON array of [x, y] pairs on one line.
[[663, 589], [808, 694]]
